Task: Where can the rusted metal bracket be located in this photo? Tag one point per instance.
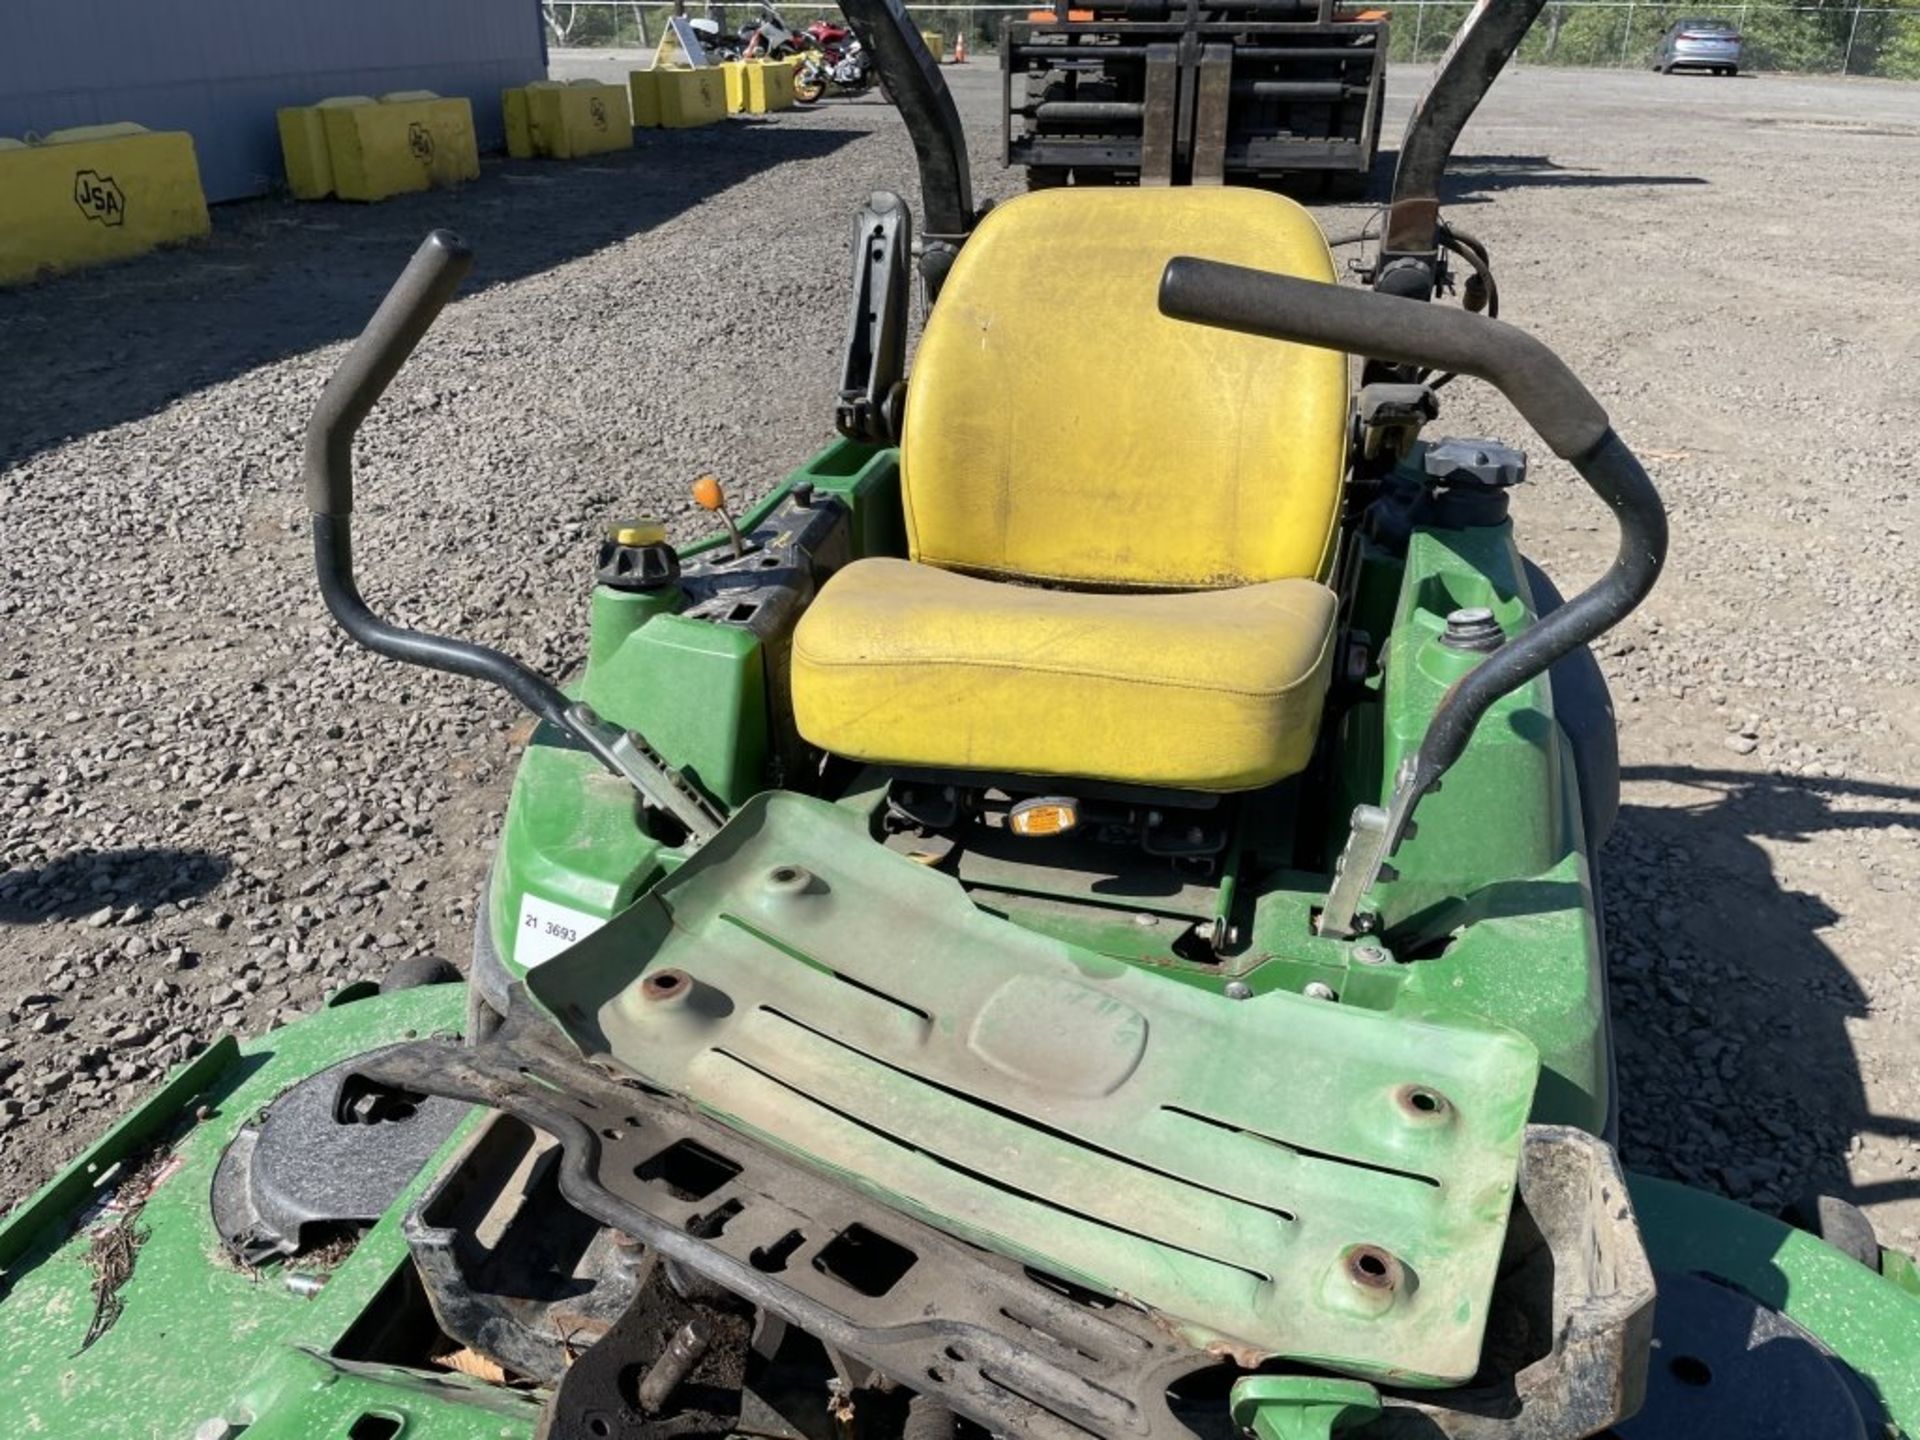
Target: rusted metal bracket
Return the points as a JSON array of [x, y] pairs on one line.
[[973, 1328]]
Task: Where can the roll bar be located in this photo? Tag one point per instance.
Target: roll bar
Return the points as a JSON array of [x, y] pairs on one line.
[[417, 297], [1408, 262], [913, 82], [1548, 396]]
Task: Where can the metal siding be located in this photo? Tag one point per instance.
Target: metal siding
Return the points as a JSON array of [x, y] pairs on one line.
[[220, 68]]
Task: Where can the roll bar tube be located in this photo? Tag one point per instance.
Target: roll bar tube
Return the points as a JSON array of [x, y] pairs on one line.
[[1479, 51], [417, 297], [1551, 400], [410, 307], [919, 92]]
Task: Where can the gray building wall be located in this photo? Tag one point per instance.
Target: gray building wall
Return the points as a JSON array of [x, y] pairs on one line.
[[221, 68]]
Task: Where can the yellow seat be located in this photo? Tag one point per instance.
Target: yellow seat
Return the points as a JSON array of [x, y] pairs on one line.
[[1175, 488], [1211, 689]]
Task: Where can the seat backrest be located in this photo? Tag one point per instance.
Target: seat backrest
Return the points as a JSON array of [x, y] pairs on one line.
[[1058, 427]]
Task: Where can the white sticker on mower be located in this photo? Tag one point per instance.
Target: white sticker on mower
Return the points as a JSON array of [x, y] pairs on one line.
[[546, 929]]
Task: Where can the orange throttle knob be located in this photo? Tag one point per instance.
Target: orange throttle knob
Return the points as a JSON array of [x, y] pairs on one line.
[[708, 495]]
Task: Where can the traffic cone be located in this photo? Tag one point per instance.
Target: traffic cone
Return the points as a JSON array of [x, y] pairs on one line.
[[960, 48]]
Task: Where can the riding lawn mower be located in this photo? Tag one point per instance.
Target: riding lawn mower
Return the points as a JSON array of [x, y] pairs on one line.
[[1074, 916]]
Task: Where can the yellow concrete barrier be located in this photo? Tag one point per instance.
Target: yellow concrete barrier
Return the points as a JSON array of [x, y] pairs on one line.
[[96, 193], [756, 86], [770, 86], [303, 145], [735, 72], [362, 149], [678, 98], [563, 121], [935, 42]]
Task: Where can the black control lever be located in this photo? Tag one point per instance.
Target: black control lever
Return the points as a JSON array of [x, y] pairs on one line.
[[1548, 397], [410, 307]]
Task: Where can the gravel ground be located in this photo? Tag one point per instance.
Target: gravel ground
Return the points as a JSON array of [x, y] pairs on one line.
[[219, 811]]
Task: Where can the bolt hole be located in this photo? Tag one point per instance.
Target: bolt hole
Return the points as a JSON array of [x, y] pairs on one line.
[[600, 1427], [1690, 1370], [1420, 1102], [772, 1259], [614, 1134], [1372, 1268]]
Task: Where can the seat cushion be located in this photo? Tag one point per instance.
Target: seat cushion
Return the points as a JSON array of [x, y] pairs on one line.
[[1058, 427], [903, 664]]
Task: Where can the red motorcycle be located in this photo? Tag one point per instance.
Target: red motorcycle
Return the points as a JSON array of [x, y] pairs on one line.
[[828, 36], [835, 60]]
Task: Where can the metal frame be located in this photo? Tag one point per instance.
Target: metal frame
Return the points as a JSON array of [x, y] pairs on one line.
[[993, 1340], [1409, 261], [1255, 98]]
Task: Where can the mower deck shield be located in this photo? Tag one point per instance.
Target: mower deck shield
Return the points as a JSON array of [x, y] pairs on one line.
[[1272, 1176]]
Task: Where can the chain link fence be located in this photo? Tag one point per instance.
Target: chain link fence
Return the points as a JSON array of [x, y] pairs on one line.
[[1842, 39]]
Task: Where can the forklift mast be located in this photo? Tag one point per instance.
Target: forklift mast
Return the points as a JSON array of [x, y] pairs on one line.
[[1177, 92]]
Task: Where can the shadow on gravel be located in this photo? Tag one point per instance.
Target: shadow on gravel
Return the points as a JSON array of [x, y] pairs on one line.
[[1472, 179], [1469, 180], [89, 351], [89, 882], [1736, 1070]]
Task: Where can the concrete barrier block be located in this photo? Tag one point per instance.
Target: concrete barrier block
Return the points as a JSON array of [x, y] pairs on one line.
[[405, 141], [571, 120], [96, 193], [735, 72], [770, 86], [303, 145], [644, 96], [677, 99], [584, 118]]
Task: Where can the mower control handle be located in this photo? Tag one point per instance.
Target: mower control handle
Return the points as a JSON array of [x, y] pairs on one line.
[[1548, 397], [414, 302], [418, 296]]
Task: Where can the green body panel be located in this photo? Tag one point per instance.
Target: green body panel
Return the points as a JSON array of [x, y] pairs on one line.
[[697, 691], [1499, 816], [1899, 1267], [200, 1338], [614, 616], [572, 838], [1493, 892], [1301, 1407], [1868, 1320], [649, 683], [1061, 1106]]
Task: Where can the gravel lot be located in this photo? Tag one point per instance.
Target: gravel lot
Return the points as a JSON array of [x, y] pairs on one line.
[[219, 811]]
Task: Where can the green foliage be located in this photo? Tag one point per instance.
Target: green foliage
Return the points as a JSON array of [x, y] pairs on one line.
[[1794, 35], [1881, 38]]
